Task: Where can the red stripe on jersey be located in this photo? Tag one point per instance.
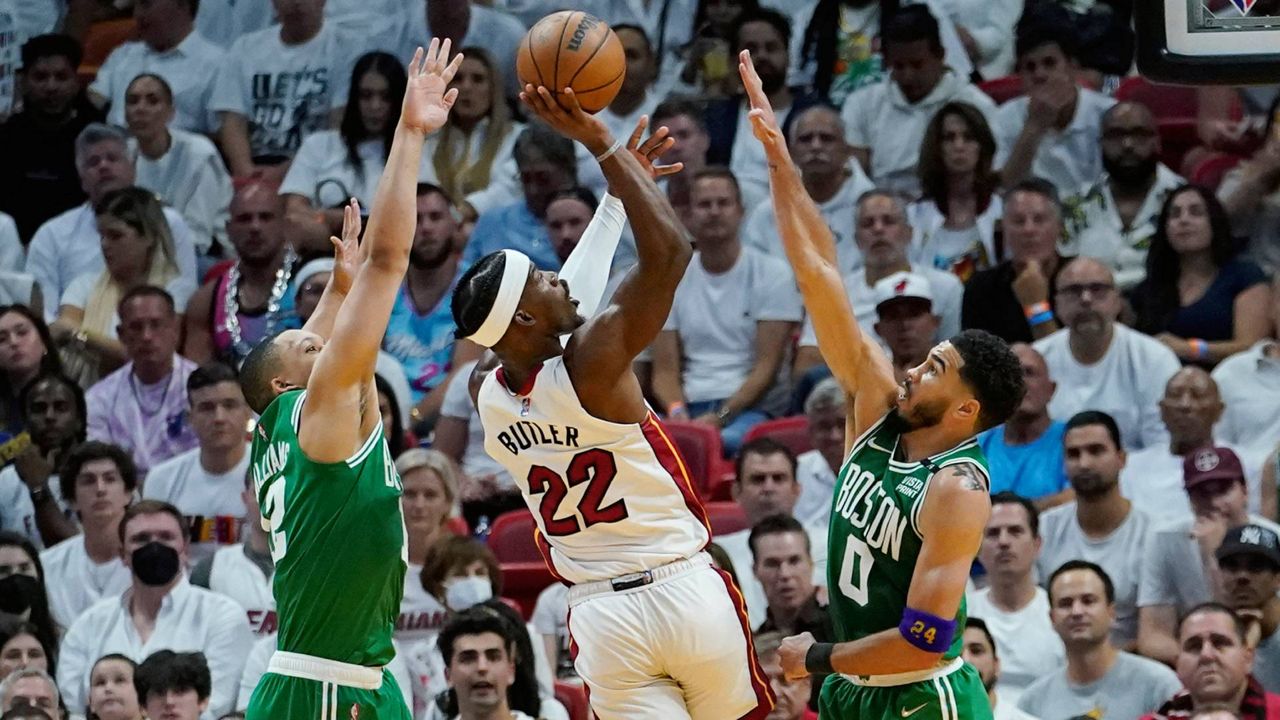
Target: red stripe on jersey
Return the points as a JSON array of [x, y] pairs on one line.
[[764, 691], [669, 457], [544, 549], [528, 382]]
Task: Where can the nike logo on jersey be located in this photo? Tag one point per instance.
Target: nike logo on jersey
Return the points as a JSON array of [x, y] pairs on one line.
[[908, 713]]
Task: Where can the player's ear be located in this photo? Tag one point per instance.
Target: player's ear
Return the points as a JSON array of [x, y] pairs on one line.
[[523, 318], [280, 385], [969, 409]]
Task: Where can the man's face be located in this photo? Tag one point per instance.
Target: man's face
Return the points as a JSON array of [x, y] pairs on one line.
[[1191, 405], [157, 20], [1008, 546], [882, 234], [1032, 227], [1046, 65], [767, 486], [1087, 301], [1040, 387], [256, 224], [104, 167], [540, 180], [792, 695], [768, 53], [567, 219], [979, 653], [1079, 610], [1093, 460], [100, 492], [480, 672], [435, 230], [691, 145], [916, 67], [716, 210], [1223, 498], [1213, 661], [175, 705], [148, 329], [219, 415], [640, 63], [826, 432], [785, 569], [1249, 580], [50, 85], [53, 418], [1130, 144], [293, 13], [34, 692], [158, 527], [817, 143], [907, 326]]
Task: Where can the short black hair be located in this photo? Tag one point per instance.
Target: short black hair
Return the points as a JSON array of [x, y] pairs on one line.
[[1241, 624], [165, 87], [475, 621], [1094, 417], [911, 23], [980, 624], [678, 105], [1038, 186], [87, 452], [208, 374], [779, 22], [257, 371], [765, 446], [719, 172], [1046, 23], [51, 45], [150, 291], [475, 293], [166, 670], [776, 525], [993, 373], [1108, 587], [426, 188], [1005, 497], [579, 193], [150, 506], [55, 378]]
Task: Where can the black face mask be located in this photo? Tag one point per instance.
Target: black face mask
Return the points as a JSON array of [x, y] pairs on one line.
[[155, 564], [18, 593]]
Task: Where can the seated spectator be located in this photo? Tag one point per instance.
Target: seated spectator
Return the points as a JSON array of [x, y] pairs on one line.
[[70, 245], [568, 214], [30, 686], [906, 322], [791, 697], [1015, 610], [1100, 364], [180, 166], [719, 358], [1115, 216], [154, 544], [1101, 525], [244, 573], [1249, 564], [169, 46], [25, 606], [98, 480], [1250, 392], [683, 117], [173, 686], [30, 502], [486, 489], [258, 128], [547, 165], [980, 652], [334, 165], [112, 695], [886, 121], [1250, 193], [1099, 680], [471, 155], [1024, 455], [833, 180], [1197, 297], [1215, 664], [1052, 131], [430, 484], [1012, 299], [1180, 570], [249, 299], [142, 407], [955, 219], [1153, 475], [478, 648], [825, 409], [26, 350], [204, 483], [138, 248], [39, 178], [20, 646]]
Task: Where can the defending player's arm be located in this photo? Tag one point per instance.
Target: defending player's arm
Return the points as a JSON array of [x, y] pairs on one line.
[[860, 366], [347, 256], [341, 384], [952, 522]]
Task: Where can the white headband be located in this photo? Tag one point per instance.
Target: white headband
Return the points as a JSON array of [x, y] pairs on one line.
[[515, 273]]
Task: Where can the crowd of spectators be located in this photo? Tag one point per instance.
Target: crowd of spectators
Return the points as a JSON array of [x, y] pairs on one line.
[[174, 171]]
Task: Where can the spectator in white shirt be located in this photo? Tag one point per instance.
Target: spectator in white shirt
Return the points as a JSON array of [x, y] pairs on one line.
[[173, 686], [1249, 382], [1015, 610], [31, 503], [1100, 364], [244, 572], [30, 688], [885, 122], [479, 652], [28, 632], [70, 245], [99, 479], [825, 410], [205, 482], [1051, 132], [906, 321], [980, 652], [159, 611], [168, 46], [182, 167]]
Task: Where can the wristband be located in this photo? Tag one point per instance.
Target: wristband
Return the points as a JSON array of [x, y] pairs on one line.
[[617, 145], [818, 660], [1035, 309], [1040, 318], [1199, 348], [926, 631]]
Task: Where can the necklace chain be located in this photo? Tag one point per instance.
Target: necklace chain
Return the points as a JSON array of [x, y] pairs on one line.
[[137, 396], [231, 302]]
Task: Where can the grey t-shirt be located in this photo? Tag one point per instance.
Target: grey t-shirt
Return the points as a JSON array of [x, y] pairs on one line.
[[1173, 572], [1133, 687], [1120, 554], [1266, 662]]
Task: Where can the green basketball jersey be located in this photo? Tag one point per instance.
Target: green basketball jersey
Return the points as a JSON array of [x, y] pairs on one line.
[[874, 539], [337, 537]]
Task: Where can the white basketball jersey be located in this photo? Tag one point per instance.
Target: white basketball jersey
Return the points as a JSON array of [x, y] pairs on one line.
[[609, 498]]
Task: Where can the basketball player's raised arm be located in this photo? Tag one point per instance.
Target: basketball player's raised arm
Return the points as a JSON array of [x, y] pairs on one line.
[[860, 366], [341, 383], [347, 256]]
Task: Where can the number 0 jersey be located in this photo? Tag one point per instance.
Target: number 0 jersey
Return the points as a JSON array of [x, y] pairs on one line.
[[337, 537], [609, 498], [875, 539]]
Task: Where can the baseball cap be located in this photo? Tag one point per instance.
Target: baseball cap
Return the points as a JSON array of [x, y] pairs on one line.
[[902, 286], [1250, 539], [1211, 463]]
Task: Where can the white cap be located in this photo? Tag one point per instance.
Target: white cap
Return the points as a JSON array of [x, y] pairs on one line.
[[903, 285]]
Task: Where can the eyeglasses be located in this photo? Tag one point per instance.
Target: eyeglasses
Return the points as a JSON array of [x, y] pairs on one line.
[[1075, 292]]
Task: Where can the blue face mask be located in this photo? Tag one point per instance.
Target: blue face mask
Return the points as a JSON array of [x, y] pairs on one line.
[[463, 593]]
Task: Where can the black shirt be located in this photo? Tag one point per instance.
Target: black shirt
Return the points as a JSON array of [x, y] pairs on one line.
[[989, 303], [38, 178], [812, 618]]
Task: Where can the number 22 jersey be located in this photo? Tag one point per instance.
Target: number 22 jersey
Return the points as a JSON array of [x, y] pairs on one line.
[[609, 498]]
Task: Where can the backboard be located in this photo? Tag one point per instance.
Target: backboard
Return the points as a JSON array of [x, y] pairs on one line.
[[1197, 42]]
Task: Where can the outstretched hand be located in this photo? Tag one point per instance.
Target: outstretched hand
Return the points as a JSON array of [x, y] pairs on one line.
[[567, 117], [649, 151], [346, 250], [427, 96], [764, 123]]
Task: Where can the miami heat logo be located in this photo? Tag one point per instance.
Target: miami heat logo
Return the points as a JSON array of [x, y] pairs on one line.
[[1244, 6], [900, 287]]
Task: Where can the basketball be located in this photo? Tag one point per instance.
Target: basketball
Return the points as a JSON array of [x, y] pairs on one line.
[[573, 49]]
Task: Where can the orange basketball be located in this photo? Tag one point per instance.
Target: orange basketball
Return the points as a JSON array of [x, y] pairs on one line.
[[573, 49]]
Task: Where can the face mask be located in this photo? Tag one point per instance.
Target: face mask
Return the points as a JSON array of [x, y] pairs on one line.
[[155, 564], [465, 592], [18, 593]]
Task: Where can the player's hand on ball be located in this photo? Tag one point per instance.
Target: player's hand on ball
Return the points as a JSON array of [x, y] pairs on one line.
[[346, 249], [791, 655], [428, 97], [764, 123], [649, 151], [567, 117]]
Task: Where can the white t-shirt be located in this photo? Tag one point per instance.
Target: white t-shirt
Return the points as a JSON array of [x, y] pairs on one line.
[[961, 252], [223, 21], [948, 295], [1026, 643], [234, 574], [78, 295], [737, 546], [1070, 158], [747, 159], [322, 173], [716, 316], [551, 617], [192, 179], [17, 512], [1152, 479], [459, 405], [1127, 383], [13, 255], [817, 488], [74, 581], [189, 68], [211, 501], [421, 614], [1249, 383]]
